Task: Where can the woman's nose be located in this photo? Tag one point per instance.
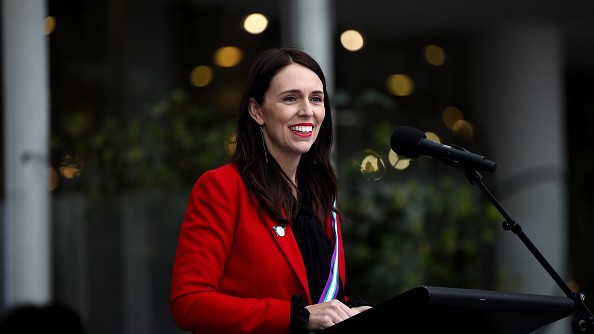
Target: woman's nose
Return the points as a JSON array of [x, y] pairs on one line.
[[306, 109]]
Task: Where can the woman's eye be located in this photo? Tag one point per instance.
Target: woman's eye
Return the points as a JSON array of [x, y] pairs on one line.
[[317, 99], [289, 98]]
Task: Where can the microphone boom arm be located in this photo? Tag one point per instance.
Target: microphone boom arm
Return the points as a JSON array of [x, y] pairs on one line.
[[583, 321]]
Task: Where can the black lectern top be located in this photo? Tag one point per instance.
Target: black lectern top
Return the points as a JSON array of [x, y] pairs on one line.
[[428, 309]]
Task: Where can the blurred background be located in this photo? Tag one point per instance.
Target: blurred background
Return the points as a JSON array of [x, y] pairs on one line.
[[112, 109]]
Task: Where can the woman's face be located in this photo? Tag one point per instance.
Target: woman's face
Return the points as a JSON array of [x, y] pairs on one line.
[[291, 112]]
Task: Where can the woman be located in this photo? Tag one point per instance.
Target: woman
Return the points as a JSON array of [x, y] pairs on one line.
[[260, 247]]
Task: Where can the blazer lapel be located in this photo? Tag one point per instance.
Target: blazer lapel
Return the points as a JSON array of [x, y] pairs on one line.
[[285, 239]]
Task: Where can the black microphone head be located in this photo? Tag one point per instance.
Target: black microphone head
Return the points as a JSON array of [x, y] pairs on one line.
[[405, 141]]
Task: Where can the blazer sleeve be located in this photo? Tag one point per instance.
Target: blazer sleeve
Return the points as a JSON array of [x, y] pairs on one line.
[[205, 241]]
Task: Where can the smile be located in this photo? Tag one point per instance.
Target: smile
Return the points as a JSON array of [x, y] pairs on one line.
[[301, 128]]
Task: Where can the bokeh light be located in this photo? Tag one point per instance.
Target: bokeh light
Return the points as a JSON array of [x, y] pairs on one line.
[[352, 40], [228, 56], [397, 162], [201, 76], [432, 136], [255, 23], [71, 167], [231, 144], [434, 55], [54, 179], [69, 172], [451, 115], [464, 131], [50, 25], [372, 166], [400, 85]]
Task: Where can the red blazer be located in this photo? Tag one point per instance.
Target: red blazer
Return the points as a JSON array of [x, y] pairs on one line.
[[232, 273]]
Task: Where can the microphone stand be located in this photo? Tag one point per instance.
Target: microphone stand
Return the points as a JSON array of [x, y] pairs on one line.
[[583, 320]]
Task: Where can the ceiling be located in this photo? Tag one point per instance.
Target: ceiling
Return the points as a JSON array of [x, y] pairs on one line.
[[393, 19]]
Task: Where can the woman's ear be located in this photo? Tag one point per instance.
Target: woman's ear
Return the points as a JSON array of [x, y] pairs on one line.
[[255, 111]]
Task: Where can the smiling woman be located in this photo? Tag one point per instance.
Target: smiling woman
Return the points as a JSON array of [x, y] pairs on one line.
[[289, 115], [260, 248]]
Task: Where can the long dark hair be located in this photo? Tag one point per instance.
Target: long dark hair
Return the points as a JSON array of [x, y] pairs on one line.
[[267, 181]]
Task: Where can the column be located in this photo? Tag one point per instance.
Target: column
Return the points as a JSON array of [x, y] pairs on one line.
[[309, 24], [26, 234], [519, 105]]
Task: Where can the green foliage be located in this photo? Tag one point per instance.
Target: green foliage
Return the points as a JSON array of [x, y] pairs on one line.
[[405, 234], [404, 228], [166, 146]]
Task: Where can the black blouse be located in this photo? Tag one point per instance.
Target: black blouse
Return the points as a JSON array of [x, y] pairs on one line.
[[316, 250]]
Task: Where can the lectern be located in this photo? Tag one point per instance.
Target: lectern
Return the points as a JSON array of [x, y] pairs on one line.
[[430, 309]]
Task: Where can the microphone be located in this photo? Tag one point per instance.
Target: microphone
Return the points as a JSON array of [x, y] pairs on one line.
[[411, 143]]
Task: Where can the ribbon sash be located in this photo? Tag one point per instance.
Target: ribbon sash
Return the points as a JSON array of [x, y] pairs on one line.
[[331, 288]]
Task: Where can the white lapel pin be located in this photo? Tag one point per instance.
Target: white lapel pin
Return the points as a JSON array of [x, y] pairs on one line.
[[279, 230]]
